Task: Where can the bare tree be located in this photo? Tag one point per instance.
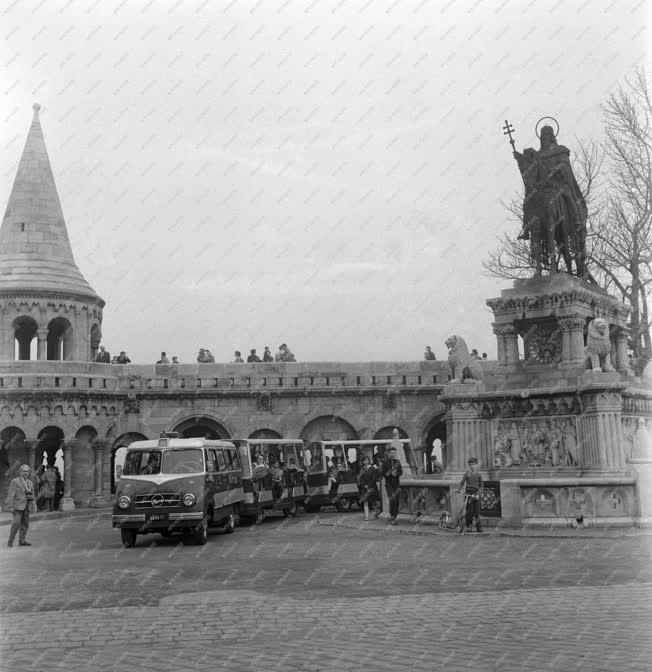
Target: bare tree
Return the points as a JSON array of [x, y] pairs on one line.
[[616, 180]]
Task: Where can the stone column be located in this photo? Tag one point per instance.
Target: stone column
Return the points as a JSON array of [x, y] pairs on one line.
[[622, 360], [67, 503], [601, 438], [463, 435], [572, 338], [7, 348], [42, 350], [31, 446], [499, 330], [511, 345], [99, 498]]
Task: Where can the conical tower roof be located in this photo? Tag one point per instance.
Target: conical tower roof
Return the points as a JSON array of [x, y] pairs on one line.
[[35, 252]]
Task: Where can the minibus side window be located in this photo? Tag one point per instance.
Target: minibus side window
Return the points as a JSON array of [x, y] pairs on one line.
[[235, 460], [211, 464], [221, 464]]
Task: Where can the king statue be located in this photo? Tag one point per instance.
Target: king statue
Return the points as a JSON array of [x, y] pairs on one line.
[[554, 209]]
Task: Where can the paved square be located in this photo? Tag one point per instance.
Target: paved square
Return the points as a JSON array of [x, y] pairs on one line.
[[308, 594]]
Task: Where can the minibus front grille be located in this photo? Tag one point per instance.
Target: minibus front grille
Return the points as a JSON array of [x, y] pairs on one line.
[[169, 499]]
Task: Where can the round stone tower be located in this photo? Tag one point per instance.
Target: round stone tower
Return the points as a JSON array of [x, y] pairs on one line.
[[43, 295]]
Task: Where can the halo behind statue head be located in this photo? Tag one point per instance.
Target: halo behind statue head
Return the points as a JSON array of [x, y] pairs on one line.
[[536, 128]]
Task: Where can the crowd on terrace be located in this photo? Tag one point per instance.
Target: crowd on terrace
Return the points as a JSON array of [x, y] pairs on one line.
[[205, 356]]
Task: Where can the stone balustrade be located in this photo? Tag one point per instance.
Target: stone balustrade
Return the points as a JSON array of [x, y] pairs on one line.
[[124, 377]]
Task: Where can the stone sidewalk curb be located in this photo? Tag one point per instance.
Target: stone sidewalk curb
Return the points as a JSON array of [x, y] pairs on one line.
[[429, 529], [6, 517]]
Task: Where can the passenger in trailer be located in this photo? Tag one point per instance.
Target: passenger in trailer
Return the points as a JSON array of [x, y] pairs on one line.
[[258, 474]]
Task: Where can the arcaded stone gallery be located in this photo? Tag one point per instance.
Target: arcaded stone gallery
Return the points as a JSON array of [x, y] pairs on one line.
[[560, 424]]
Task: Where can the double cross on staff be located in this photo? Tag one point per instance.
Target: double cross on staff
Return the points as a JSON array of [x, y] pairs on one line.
[[508, 130]]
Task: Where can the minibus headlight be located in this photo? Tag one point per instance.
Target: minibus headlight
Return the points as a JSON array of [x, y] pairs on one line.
[[189, 499], [124, 502]]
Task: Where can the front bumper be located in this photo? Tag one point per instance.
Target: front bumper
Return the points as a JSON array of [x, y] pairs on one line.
[[174, 521]]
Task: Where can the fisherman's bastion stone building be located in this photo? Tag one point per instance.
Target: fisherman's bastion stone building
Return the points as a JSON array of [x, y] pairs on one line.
[[556, 443]]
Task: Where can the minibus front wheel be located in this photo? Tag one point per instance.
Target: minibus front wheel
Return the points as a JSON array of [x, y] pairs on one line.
[[128, 537]]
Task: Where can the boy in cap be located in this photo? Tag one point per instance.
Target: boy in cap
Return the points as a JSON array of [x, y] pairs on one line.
[[473, 482]]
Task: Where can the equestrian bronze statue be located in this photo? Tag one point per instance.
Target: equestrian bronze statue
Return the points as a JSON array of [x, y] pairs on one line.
[[554, 209]]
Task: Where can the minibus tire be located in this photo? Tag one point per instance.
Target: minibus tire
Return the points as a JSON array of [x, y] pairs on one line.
[[344, 504], [201, 533], [128, 537]]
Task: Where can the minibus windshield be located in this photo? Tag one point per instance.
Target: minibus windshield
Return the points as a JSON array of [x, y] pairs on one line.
[[144, 462]]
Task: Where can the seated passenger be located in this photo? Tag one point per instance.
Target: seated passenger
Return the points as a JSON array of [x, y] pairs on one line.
[[429, 354], [201, 357], [122, 358], [238, 357], [153, 464], [267, 355], [253, 357], [164, 359], [209, 357]]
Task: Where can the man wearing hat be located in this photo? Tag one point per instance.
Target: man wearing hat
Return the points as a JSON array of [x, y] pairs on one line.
[[473, 482]]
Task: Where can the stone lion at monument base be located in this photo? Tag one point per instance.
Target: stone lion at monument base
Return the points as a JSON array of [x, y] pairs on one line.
[[598, 346], [464, 368]]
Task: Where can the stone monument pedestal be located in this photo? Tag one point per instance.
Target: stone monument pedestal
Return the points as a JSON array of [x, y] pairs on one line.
[[643, 469], [550, 314]]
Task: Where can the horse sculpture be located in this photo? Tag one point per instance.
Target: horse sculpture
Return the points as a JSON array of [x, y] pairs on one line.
[[554, 209]]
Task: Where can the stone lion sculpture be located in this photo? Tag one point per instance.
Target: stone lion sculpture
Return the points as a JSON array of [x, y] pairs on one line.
[[598, 346], [464, 368]]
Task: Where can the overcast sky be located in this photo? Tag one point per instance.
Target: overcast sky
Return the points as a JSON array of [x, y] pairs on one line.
[[328, 174]]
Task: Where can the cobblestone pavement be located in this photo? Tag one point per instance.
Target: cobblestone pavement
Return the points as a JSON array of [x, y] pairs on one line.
[[300, 595]]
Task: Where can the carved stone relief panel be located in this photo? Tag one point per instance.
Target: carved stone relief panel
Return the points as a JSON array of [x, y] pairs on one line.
[[535, 442]]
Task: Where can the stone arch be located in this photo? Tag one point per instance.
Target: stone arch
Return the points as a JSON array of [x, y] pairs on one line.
[[60, 339], [265, 434], [12, 455], [50, 441], [540, 503], [118, 450], [328, 428], [25, 330], [386, 432], [435, 430], [580, 501], [201, 426], [616, 502], [208, 415]]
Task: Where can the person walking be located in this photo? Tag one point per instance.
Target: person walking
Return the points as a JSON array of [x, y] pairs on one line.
[[368, 487], [472, 480], [392, 472], [20, 501]]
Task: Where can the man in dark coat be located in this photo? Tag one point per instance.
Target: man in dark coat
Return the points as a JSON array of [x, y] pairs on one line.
[[392, 472]]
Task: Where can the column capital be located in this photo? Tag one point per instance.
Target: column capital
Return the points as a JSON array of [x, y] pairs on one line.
[[42, 333], [504, 329], [571, 322]]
